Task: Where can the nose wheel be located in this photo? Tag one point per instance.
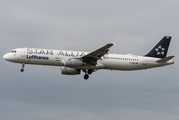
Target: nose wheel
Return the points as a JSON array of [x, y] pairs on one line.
[[22, 69]]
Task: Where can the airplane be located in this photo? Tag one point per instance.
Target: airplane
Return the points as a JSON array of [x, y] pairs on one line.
[[73, 62]]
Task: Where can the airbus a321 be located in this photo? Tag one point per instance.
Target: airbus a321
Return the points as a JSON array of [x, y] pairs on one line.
[[73, 62]]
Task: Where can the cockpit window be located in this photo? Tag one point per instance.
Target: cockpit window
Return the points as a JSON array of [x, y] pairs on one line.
[[13, 51]]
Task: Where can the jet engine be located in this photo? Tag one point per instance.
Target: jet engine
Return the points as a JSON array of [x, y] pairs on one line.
[[73, 62], [70, 71]]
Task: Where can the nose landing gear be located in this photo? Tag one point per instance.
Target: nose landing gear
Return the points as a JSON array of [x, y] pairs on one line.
[[22, 69]]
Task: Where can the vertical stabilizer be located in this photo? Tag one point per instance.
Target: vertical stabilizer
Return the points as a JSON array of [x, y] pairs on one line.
[[161, 49]]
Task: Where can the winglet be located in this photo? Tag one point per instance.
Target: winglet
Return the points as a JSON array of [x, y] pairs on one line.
[[165, 59]]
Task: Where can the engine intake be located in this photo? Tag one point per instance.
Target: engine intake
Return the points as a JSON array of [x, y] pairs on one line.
[[70, 71]]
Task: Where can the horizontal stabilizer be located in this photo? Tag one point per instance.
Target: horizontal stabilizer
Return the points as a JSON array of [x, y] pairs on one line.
[[165, 59]]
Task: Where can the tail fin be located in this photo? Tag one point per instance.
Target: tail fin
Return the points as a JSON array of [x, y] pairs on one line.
[[161, 49]]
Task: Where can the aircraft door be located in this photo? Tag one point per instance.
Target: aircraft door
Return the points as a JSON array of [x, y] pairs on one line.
[[57, 57], [23, 54]]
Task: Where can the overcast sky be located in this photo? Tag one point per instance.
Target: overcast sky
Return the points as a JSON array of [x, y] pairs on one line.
[[42, 93]]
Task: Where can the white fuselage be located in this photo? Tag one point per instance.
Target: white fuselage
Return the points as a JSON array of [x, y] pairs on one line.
[[56, 58]]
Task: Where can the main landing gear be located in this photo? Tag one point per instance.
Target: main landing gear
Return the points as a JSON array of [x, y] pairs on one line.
[[22, 69], [86, 76]]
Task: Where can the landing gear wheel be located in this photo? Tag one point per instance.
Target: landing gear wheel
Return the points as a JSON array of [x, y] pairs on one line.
[[22, 70], [86, 76], [90, 71]]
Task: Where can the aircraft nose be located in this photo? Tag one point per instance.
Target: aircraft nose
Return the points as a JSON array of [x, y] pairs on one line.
[[6, 56]]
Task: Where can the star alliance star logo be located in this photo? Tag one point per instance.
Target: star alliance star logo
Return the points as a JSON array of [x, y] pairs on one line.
[[160, 50]]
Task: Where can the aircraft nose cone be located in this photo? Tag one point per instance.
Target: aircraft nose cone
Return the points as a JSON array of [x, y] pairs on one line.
[[6, 56]]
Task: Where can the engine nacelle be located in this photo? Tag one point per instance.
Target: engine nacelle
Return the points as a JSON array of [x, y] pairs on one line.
[[69, 71], [73, 62]]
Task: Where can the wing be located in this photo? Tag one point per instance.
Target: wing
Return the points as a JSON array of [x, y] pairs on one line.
[[92, 57]]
